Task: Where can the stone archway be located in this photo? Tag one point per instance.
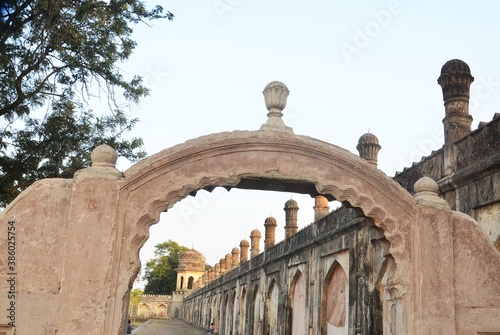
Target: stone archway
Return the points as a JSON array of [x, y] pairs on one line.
[[260, 160], [79, 246], [104, 215]]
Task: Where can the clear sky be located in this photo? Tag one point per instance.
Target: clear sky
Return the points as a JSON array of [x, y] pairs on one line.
[[350, 66]]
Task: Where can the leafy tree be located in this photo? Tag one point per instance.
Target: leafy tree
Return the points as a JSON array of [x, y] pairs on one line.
[[160, 271], [135, 298], [57, 55]]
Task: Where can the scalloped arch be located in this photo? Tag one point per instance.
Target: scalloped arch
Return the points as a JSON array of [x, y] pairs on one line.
[[224, 159]]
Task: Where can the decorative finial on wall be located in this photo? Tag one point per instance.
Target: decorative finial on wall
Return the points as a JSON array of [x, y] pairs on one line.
[[275, 94]]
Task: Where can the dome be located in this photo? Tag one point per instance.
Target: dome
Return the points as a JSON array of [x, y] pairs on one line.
[[255, 232], [291, 204], [368, 138], [270, 221], [191, 260], [276, 84], [455, 80], [455, 66], [235, 251], [244, 243]]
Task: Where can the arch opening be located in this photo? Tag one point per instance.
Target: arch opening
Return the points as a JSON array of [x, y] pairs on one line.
[[265, 160]]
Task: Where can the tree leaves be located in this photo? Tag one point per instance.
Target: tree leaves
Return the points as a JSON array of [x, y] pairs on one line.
[[160, 271], [58, 54]]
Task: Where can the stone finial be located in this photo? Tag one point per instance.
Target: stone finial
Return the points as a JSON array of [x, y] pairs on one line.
[[205, 279], [291, 208], [217, 271], [228, 262], [368, 148], [244, 245], [275, 94], [103, 160], [455, 80], [235, 253], [222, 266], [426, 193], [103, 156], [255, 236], [270, 233], [321, 208]]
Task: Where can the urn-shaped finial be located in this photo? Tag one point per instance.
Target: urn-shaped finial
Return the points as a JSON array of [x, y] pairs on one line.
[[275, 95]]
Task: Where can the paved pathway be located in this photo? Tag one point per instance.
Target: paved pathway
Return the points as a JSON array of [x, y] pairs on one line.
[[167, 327]]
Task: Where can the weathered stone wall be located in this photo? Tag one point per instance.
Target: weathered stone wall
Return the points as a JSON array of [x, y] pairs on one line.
[[343, 240], [456, 291], [78, 244], [474, 187], [36, 230]]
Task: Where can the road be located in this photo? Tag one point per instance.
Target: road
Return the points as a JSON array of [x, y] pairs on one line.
[[167, 327]]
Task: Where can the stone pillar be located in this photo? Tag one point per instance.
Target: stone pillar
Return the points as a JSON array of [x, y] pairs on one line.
[[199, 283], [270, 233], [255, 241], [291, 209], [205, 279], [92, 220], [434, 262], [210, 276], [222, 264], [321, 208], [216, 271], [368, 148], [455, 80], [235, 253], [228, 259], [244, 245]]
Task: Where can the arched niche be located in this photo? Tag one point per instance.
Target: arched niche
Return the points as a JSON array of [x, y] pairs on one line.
[[265, 160]]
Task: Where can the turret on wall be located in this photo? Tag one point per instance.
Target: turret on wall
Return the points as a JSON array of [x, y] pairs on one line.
[[191, 268]]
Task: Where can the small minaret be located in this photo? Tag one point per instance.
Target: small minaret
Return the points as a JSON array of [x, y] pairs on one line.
[[368, 148], [255, 241], [291, 209], [235, 253], [244, 245], [222, 264], [216, 271], [191, 267], [228, 262], [270, 233], [321, 208], [205, 278], [455, 80]]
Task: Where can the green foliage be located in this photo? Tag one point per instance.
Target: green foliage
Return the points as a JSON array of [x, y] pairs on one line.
[[56, 48], [59, 145], [160, 271], [59, 54], [135, 298]]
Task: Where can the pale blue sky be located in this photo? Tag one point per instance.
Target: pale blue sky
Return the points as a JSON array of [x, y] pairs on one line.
[[349, 66]]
